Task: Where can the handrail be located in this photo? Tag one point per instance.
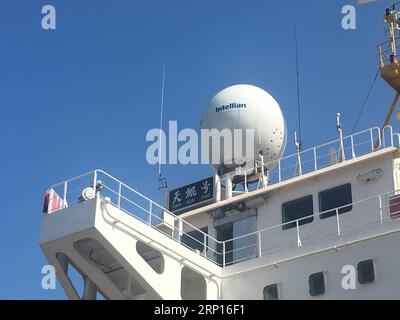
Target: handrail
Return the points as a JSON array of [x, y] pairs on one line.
[[74, 178], [315, 157], [333, 141], [382, 53], [258, 233], [314, 215], [155, 203], [137, 193], [257, 244], [95, 177]]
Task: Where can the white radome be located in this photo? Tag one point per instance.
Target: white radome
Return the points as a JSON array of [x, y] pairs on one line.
[[247, 107]]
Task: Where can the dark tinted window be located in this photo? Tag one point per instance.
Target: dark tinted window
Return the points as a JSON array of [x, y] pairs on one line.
[[297, 209], [271, 292], [334, 198], [366, 272], [195, 239], [317, 284]]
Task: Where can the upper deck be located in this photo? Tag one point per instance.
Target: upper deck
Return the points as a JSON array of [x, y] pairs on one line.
[[259, 230]]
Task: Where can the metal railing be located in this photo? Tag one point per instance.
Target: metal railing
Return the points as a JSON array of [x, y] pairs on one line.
[[137, 205], [385, 51], [356, 216], [322, 156], [241, 248], [374, 210]]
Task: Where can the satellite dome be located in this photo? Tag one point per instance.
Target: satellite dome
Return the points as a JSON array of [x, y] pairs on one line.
[[245, 107]]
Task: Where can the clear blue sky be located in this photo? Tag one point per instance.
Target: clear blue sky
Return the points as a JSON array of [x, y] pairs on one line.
[[84, 96]]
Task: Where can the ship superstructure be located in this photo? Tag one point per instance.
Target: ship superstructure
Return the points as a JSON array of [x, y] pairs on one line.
[[322, 223], [278, 236]]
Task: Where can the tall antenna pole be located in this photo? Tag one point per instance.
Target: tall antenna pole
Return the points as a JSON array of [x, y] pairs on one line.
[[161, 124], [298, 81], [162, 180]]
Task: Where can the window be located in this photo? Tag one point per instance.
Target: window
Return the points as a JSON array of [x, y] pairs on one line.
[[225, 233], [334, 198], [316, 283], [271, 292], [297, 209], [366, 272], [195, 239]]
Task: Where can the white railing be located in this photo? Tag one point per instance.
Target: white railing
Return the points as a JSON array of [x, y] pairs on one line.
[[375, 210], [345, 220], [256, 244], [322, 156], [137, 205]]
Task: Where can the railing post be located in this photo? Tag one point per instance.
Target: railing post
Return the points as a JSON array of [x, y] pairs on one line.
[[391, 136], [381, 56], [380, 208], [205, 244], [245, 182], [315, 159], [217, 187], [337, 221], [383, 139], [223, 254], [372, 140], [279, 171], [64, 204], [150, 212], [383, 134], [340, 131], [259, 244], [353, 154], [299, 244], [180, 230], [379, 139], [119, 195], [228, 186], [174, 226], [298, 148], [94, 182]]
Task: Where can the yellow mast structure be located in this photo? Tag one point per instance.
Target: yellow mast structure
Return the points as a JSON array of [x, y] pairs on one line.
[[389, 64]]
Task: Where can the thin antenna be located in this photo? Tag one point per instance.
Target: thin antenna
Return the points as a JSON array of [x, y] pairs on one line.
[[259, 136], [298, 81], [298, 151], [161, 123], [161, 180]]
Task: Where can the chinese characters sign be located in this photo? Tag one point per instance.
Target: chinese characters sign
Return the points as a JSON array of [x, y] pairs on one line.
[[192, 195]]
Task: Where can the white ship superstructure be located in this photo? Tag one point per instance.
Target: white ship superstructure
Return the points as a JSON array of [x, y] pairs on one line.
[[322, 223], [272, 240]]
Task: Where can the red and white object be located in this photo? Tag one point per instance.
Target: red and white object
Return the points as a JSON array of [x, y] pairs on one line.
[[52, 202]]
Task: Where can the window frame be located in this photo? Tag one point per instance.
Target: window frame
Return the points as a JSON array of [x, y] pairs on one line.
[[276, 285], [308, 218], [189, 235], [363, 282], [311, 276], [331, 212]]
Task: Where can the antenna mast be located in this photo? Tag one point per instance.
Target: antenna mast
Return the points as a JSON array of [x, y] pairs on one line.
[[162, 180], [298, 141], [388, 60]]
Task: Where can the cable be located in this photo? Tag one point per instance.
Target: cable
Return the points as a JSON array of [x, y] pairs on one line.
[[365, 101]]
